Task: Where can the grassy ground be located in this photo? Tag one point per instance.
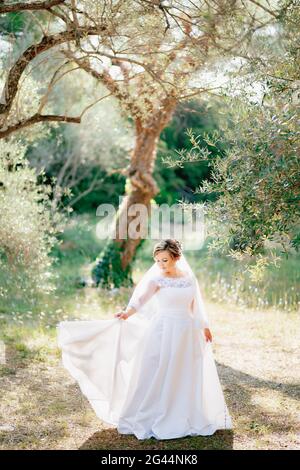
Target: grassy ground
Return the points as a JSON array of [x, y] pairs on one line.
[[255, 351], [43, 408]]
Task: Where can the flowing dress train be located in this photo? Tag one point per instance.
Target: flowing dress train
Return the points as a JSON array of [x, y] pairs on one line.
[[151, 377]]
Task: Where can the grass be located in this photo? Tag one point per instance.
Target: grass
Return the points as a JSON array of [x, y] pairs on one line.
[[224, 280], [255, 352], [255, 346]]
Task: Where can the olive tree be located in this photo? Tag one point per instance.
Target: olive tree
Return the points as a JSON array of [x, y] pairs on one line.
[[256, 180], [149, 55]]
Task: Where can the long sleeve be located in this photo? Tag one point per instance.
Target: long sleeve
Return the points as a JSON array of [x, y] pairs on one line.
[[138, 301], [198, 308]]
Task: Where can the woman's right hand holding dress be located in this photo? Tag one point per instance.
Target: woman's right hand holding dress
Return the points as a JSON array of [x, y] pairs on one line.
[[124, 314], [134, 305]]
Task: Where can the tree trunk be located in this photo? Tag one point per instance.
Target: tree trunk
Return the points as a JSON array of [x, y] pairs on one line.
[[113, 266]]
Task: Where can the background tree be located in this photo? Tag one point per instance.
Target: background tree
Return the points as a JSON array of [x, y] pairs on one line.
[[177, 180], [150, 56], [257, 177], [28, 229], [83, 161]]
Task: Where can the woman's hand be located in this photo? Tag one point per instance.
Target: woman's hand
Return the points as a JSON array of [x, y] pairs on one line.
[[122, 315], [207, 334], [125, 313]]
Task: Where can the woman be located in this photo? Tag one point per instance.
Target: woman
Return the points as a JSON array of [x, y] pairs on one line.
[[153, 375]]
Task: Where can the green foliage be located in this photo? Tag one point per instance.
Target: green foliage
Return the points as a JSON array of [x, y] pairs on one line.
[[108, 271], [77, 248], [80, 162], [27, 231], [176, 179], [111, 188], [13, 23], [255, 180], [259, 178], [229, 281]]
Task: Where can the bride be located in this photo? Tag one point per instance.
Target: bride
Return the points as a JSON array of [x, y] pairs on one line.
[[153, 375]]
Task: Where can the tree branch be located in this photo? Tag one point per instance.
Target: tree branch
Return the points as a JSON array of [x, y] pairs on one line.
[[47, 42], [105, 78], [259, 5], [38, 118], [22, 6]]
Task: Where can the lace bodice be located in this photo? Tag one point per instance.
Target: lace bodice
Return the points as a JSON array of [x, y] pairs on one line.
[[172, 294], [183, 281]]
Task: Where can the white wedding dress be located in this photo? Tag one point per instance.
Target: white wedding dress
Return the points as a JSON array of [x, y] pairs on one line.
[[151, 377]]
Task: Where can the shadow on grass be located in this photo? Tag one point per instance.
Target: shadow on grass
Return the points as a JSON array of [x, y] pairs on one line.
[[111, 439], [238, 389], [46, 392], [231, 377], [63, 405]]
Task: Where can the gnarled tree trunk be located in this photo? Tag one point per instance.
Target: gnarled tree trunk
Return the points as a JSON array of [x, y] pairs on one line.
[[113, 266]]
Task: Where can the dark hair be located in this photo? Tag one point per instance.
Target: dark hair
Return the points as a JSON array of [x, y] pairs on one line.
[[174, 247]]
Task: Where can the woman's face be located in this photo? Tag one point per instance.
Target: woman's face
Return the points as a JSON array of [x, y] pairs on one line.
[[165, 261]]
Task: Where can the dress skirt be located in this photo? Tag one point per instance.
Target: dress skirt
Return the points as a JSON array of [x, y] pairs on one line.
[[148, 377]]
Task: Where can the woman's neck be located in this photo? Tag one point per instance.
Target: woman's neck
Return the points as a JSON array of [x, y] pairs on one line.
[[174, 274]]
